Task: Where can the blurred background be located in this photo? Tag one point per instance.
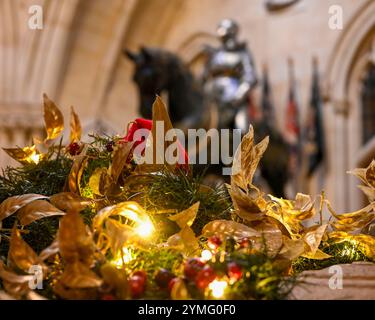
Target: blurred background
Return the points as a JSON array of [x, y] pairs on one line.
[[77, 58]]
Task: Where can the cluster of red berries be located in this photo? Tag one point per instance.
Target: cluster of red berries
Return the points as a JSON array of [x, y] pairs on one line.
[[74, 148]]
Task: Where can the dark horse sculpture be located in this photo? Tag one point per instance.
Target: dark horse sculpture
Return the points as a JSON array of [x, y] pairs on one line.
[[158, 71]]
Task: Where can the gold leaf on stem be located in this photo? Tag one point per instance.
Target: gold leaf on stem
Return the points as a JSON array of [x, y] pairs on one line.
[[20, 253], [69, 201], [53, 119], [246, 159], [186, 217], [116, 279], [51, 250], [75, 243], [75, 174], [229, 228], [156, 144], [25, 155], [36, 210], [119, 159], [75, 126], [78, 275], [313, 236], [13, 204]]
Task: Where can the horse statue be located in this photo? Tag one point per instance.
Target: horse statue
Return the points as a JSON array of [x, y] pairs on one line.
[[158, 71]]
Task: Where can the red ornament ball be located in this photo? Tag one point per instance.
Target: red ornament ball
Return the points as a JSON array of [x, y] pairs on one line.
[[163, 277], [205, 277], [234, 271], [109, 146], [192, 267], [74, 148], [214, 242]]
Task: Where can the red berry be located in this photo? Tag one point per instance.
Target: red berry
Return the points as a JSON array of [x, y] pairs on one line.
[[137, 286], [74, 148], [234, 271], [192, 267], [142, 274], [214, 242], [172, 282], [163, 277], [205, 277], [109, 146]]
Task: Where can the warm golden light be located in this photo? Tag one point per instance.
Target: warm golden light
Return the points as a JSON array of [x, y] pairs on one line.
[[217, 288], [35, 158], [145, 228], [206, 255], [133, 211], [126, 257]]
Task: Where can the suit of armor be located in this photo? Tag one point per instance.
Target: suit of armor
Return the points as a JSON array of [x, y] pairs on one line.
[[229, 76]]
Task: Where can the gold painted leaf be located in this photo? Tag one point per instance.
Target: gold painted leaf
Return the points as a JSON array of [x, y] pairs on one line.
[[229, 228], [50, 251], [78, 275], [313, 236], [352, 220], [20, 253], [120, 156], [25, 155], [75, 126], [36, 210], [75, 243], [246, 159], [116, 279], [96, 181], [10, 276], [13, 204], [155, 160], [68, 201], [318, 255], [75, 174], [184, 241], [291, 249], [186, 217], [365, 242], [14, 284], [370, 174], [53, 119], [246, 207], [118, 235]]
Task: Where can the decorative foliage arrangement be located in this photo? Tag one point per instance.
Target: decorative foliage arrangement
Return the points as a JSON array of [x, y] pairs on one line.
[[95, 225]]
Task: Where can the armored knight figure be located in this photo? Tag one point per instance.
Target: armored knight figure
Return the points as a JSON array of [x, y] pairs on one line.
[[229, 76]]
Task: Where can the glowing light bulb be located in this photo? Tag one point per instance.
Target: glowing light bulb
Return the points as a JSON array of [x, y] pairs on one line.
[[126, 257], [35, 158], [145, 228], [217, 288], [206, 255]]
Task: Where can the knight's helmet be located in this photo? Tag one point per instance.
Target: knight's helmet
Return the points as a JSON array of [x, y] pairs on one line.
[[227, 28]]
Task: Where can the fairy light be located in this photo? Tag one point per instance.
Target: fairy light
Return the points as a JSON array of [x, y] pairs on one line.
[[35, 158], [143, 224], [145, 228], [206, 255], [217, 288], [127, 256]]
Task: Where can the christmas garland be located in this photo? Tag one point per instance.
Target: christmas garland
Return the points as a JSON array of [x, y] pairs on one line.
[[85, 221]]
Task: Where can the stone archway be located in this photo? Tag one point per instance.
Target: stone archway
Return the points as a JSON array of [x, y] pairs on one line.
[[346, 67]]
